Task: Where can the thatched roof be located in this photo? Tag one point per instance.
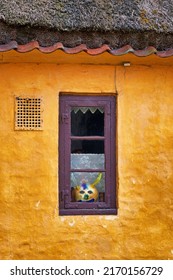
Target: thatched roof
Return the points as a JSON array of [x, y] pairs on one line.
[[90, 15], [93, 22]]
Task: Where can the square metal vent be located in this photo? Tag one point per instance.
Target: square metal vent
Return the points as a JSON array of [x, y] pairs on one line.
[[28, 113]]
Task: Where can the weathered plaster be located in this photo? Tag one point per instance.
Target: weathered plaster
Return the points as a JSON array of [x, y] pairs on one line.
[[30, 226]]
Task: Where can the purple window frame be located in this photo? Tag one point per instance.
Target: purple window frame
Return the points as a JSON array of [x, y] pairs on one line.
[[66, 207]]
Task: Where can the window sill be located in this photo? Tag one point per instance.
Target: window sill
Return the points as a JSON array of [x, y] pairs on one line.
[[80, 212]]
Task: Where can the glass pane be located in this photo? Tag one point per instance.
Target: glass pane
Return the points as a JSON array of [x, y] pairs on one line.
[[87, 146], [88, 186], [87, 161], [87, 121]]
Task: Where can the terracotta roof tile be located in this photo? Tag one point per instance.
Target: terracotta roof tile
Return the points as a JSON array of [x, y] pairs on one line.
[[28, 47], [167, 53], [10, 46], [13, 45], [100, 50], [76, 49]]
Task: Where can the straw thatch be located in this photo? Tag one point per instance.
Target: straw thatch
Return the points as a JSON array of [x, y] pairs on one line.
[[94, 22]]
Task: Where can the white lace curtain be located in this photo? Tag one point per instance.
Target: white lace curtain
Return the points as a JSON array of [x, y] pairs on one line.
[[85, 109]]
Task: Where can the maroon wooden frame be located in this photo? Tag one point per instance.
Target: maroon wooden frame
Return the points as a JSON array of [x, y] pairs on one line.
[[66, 207]]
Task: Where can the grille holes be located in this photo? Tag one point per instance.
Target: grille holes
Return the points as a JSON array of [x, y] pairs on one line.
[[28, 113]]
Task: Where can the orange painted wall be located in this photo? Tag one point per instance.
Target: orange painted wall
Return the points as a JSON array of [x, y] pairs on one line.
[[30, 226]]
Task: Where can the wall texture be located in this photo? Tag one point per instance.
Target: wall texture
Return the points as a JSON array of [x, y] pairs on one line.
[[30, 226]]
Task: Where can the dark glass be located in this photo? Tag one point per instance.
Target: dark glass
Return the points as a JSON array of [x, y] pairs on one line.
[[87, 146], [87, 121]]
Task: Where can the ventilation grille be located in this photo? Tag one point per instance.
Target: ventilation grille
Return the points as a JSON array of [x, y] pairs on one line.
[[28, 113]]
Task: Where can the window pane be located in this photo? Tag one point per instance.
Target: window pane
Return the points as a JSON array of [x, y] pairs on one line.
[[87, 161], [88, 186], [87, 146], [87, 121]]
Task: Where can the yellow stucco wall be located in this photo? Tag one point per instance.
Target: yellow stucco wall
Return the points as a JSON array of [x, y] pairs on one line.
[[30, 226]]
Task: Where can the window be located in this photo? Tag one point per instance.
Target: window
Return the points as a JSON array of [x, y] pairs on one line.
[[87, 155]]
